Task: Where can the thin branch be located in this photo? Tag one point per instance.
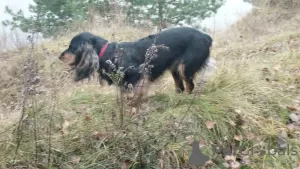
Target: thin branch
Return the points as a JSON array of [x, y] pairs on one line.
[[24, 94], [54, 100]]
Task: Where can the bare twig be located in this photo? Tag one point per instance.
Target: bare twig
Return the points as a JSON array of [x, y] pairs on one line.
[[35, 72], [121, 107], [35, 132], [26, 91], [53, 106]]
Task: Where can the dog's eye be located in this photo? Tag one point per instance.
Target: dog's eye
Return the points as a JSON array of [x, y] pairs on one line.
[[71, 48]]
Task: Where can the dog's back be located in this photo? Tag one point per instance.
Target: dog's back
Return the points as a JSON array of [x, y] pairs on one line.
[[187, 52]]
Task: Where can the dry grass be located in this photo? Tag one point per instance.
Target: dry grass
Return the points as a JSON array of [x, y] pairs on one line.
[[253, 28], [247, 95]]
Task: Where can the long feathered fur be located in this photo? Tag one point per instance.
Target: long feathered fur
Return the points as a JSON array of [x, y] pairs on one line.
[[89, 62]]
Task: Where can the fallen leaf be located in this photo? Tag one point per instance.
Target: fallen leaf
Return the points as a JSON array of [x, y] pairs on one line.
[[298, 164], [97, 135], [294, 117], [232, 123], [133, 111], [75, 138], [226, 165], [238, 137], [185, 157], [292, 87], [87, 117], [276, 118], [190, 139], [277, 67], [75, 159], [237, 111], [210, 124], [291, 126], [265, 69], [229, 158], [281, 140], [250, 136], [235, 165], [209, 162], [160, 164], [226, 138], [290, 108], [64, 127], [245, 160], [201, 143], [239, 120], [126, 164]]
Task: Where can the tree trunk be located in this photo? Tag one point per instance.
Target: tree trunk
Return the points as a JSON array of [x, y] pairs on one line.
[[160, 15], [91, 16]]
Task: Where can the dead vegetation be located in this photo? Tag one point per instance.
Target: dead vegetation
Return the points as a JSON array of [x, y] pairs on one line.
[[250, 101]]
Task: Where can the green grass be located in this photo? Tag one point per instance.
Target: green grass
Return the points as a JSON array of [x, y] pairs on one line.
[[164, 123]]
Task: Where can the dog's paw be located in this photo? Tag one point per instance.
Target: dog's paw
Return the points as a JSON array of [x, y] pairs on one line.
[[178, 90], [134, 103]]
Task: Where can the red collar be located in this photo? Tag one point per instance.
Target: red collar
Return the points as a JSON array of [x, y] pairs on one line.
[[101, 53]]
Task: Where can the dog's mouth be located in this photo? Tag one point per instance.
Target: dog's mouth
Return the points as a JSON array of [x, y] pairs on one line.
[[67, 58]]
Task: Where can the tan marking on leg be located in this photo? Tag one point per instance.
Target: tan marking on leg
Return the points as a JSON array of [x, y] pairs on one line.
[[177, 84], [101, 82], [188, 87], [181, 71]]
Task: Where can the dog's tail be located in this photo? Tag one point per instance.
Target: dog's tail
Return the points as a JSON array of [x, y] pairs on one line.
[[209, 41], [196, 57]]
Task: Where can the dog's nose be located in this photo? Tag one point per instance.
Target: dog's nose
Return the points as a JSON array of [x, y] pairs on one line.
[[60, 57]]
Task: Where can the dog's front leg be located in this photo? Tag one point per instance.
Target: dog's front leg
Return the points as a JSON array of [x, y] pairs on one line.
[[141, 89]]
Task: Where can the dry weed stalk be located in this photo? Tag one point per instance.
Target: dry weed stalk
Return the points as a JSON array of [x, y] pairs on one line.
[[53, 110], [30, 80], [117, 79]]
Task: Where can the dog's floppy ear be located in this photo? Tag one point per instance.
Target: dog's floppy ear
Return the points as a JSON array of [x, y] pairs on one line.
[[151, 36], [87, 63], [97, 42]]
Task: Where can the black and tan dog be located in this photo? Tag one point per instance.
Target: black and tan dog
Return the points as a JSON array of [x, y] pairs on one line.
[[188, 51]]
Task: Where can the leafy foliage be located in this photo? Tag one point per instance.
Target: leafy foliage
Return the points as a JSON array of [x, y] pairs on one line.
[[50, 16], [164, 12]]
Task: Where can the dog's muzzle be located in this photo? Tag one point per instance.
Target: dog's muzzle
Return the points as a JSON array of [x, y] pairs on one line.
[[67, 58]]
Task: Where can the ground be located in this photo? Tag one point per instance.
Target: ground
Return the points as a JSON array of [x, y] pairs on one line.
[[250, 101]]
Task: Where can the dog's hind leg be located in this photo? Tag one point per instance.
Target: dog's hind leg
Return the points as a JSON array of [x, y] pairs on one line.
[[189, 85], [194, 59], [187, 77], [179, 87]]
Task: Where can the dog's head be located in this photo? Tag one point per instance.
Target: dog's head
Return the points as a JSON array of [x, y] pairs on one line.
[[82, 55]]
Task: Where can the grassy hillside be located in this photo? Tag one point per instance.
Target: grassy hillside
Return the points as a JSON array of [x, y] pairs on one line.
[[250, 100]]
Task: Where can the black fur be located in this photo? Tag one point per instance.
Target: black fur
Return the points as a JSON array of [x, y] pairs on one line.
[[187, 47]]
